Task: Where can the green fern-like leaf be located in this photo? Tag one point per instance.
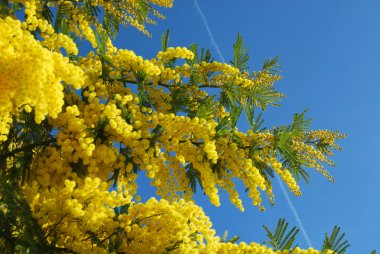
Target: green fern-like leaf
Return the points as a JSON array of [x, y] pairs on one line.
[[19, 230], [271, 65], [222, 129], [290, 158], [101, 41], [204, 55], [280, 239], [110, 24], [235, 115], [264, 96], [165, 40], [5, 9], [206, 109], [335, 242], [46, 12], [241, 57], [92, 9], [295, 168], [142, 10], [300, 124], [180, 100], [194, 177]]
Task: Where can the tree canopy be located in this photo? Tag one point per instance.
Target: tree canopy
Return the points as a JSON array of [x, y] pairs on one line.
[[76, 130]]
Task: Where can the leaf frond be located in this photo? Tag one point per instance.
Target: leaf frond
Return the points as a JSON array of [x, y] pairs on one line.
[[271, 65], [281, 239], [335, 242], [241, 57]]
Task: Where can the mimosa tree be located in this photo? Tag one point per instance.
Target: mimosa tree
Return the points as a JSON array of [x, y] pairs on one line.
[[77, 130]]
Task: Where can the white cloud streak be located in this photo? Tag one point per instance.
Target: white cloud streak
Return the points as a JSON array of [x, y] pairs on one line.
[[290, 203], [205, 23], [294, 211]]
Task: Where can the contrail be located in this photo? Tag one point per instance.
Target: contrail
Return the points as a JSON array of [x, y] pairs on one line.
[[204, 20], [290, 203], [294, 211]]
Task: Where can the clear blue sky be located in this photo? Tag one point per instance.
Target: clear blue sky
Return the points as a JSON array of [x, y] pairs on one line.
[[330, 53]]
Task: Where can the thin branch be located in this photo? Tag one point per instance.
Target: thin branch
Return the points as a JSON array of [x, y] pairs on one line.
[[25, 148]]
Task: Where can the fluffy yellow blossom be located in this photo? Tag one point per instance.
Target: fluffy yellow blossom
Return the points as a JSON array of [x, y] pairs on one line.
[[31, 76], [112, 116]]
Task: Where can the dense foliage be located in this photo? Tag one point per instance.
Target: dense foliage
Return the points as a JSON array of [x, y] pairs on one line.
[[77, 130]]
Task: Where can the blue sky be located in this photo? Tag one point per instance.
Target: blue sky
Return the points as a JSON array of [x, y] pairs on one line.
[[330, 53]]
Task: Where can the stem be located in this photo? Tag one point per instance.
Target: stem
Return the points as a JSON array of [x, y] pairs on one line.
[[25, 148]]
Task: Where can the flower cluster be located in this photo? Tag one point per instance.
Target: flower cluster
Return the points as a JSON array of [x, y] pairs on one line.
[[75, 208], [31, 76], [113, 115]]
